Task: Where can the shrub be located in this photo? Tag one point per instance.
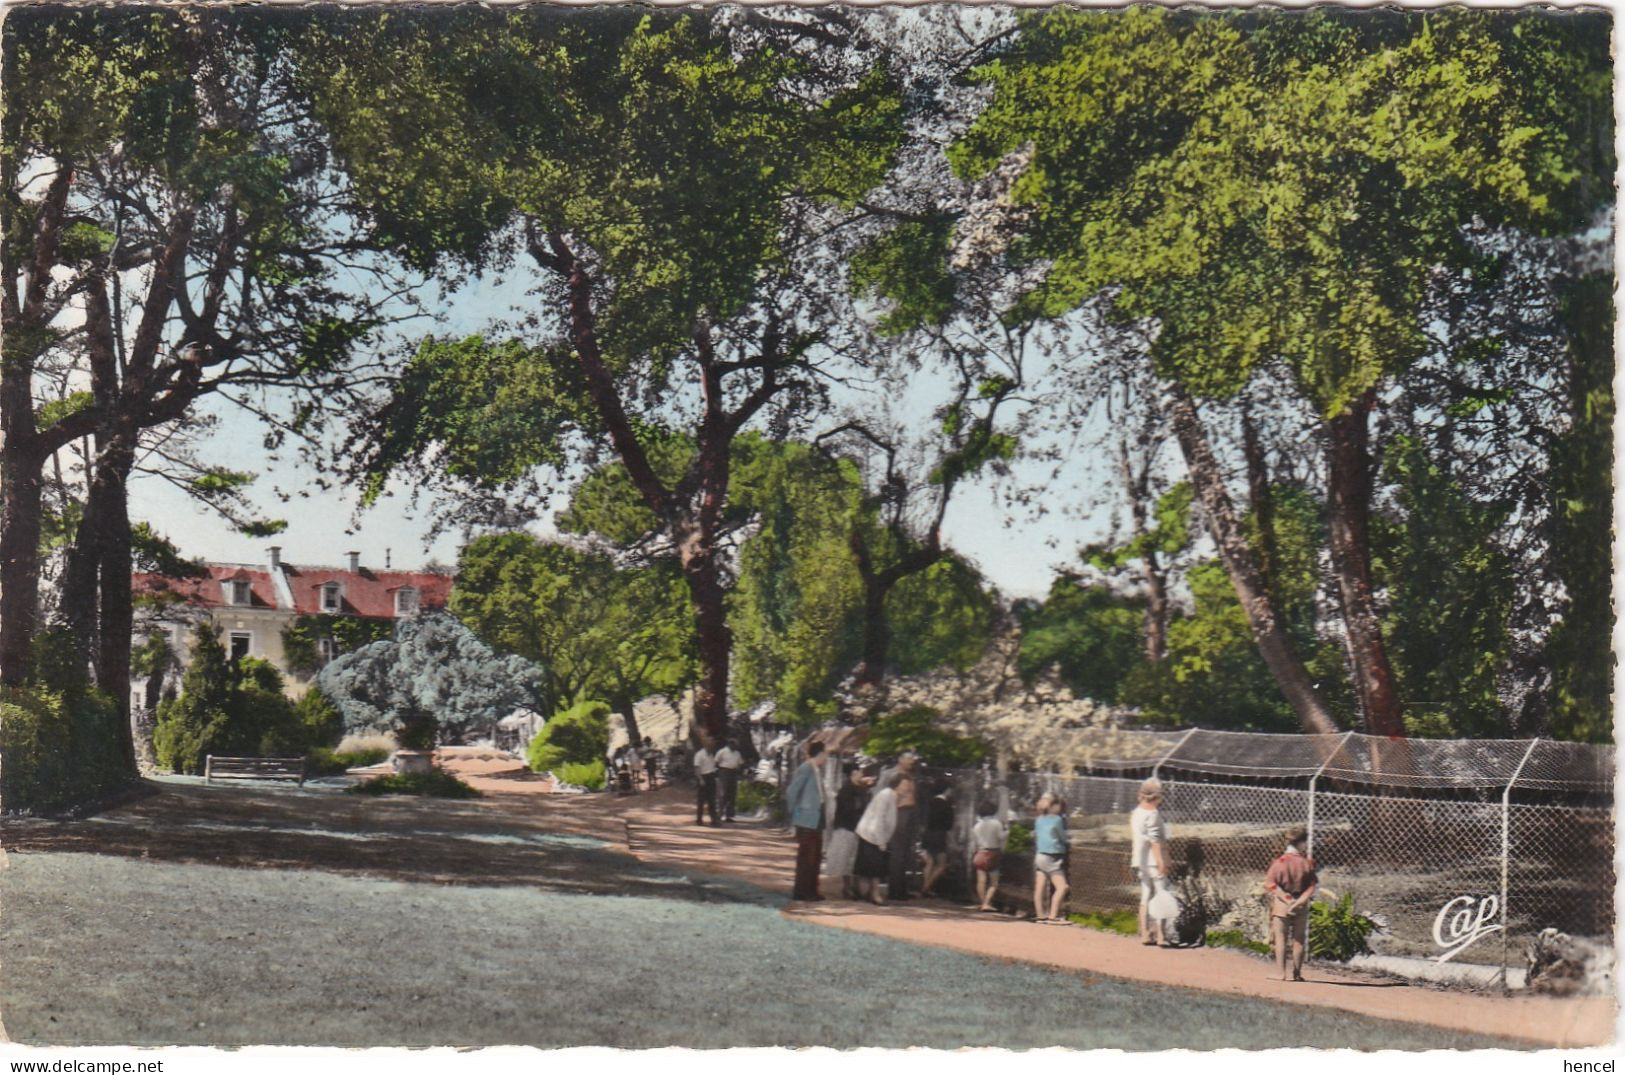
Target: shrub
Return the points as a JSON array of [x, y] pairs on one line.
[[583, 774], [766, 797], [325, 761], [1019, 839], [59, 748], [1337, 931], [579, 734], [437, 783], [320, 720], [911, 729], [231, 709]]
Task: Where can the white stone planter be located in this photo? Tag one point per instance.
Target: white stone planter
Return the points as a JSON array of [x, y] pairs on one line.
[[413, 761]]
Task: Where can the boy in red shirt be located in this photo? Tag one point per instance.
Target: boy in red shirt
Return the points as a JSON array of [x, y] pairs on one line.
[[1291, 883]]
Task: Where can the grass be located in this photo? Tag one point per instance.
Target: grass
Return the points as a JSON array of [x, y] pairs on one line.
[[1234, 938], [1124, 922], [439, 783]]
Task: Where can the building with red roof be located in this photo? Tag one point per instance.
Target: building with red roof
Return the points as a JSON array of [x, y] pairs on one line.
[[254, 606]]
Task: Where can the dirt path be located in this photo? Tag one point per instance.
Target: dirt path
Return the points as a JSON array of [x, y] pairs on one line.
[[661, 830]]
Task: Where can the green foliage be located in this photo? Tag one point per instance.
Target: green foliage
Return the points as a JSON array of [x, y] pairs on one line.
[[1213, 675], [1579, 647], [1018, 840], [908, 266], [231, 709], [579, 734], [767, 798], [1235, 938], [1235, 174], [583, 774], [320, 721], [301, 639], [1088, 634], [325, 761], [598, 630], [59, 739], [437, 783], [1126, 923], [1337, 931], [912, 729], [1450, 593], [940, 617]]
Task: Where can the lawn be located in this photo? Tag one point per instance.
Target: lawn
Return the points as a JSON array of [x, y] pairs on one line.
[[104, 948]]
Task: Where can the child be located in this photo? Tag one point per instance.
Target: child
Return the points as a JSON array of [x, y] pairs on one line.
[[987, 839], [1049, 858], [1291, 883]]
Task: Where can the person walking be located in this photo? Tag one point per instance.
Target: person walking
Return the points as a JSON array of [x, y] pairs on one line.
[[874, 831], [804, 800], [1149, 857], [705, 783], [729, 762], [1291, 882], [903, 837], [987, 837], [651, 761], [939, 821], [1050, 849], [850, 803]]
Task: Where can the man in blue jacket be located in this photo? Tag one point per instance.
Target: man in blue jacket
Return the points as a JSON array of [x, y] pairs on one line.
[[804, 799]]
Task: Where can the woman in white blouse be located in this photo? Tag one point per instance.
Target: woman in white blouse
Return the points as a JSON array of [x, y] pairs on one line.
[[874, 834], [1150, 857]]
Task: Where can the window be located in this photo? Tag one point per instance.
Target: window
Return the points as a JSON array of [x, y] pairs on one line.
[[406, 601], [327, 649], [240, 592], [241, 642], [330, 597]]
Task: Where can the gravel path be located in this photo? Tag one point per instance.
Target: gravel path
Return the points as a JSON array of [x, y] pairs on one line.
[[100, 948]]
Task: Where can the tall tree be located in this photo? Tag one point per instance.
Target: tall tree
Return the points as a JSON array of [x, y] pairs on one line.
[[1304, 175], [677, 196], [206, 237]]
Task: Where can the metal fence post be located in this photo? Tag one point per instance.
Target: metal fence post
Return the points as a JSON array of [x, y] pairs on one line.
[[1313, 780], [1506, 857], [1172, 751]]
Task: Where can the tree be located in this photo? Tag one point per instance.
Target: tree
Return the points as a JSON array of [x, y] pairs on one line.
[[597, 629], [225, 707], [1306, 174], [676, 196], [434, 682], [187, 214], [1087, 635]]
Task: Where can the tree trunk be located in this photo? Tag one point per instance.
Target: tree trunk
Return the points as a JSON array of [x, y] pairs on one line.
[[1237, 556], [715, 637], [1263, 502], [1156, 580], [117, 623], [625, 706], [1348, 511], [20, 478]]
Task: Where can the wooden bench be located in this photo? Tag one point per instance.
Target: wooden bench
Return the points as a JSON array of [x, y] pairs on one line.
[[253, 769]]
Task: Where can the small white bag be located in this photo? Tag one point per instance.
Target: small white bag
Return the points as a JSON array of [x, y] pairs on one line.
[[1164, 906]]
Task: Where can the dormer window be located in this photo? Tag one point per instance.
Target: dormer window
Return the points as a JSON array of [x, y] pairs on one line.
[[406, 601], [241, 594], [330, 597]]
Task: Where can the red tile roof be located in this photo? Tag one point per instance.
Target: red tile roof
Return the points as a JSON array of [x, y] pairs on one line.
[[364, 593]]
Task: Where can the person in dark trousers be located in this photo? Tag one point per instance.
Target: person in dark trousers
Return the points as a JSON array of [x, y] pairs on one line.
[[939, 821], [907, 831], [705, 784], [651, 761], [804, 800], [729, 762]]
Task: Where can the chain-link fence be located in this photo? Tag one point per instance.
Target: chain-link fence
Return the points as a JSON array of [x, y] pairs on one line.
[[1462, 850]]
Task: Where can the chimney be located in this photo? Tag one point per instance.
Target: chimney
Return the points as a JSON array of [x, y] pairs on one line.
[[274, 554], [355, 561], [386, 559]]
